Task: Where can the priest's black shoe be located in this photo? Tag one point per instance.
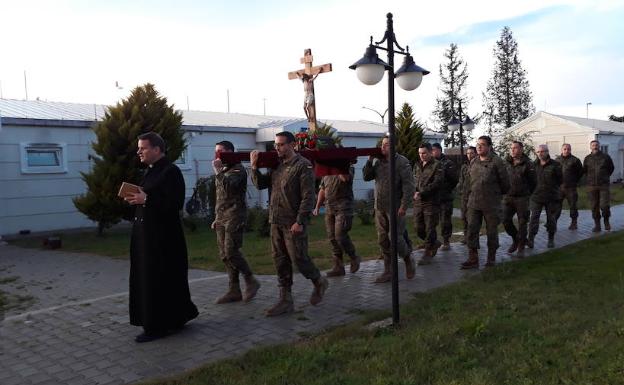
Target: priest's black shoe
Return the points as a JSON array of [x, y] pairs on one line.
[[147, 337]]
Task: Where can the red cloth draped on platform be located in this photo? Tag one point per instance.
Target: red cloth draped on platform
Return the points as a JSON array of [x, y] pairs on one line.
[[332, 161]]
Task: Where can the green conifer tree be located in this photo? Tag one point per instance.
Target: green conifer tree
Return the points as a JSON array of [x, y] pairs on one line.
[[409, 133], [116, 145]]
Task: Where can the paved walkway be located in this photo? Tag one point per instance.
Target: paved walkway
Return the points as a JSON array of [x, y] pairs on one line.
[[75, 328]]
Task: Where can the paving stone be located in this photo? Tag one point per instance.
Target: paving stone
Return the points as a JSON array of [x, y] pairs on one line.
[[78, 332]]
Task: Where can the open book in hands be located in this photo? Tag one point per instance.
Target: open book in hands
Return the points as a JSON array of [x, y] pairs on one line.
[[126, 189]]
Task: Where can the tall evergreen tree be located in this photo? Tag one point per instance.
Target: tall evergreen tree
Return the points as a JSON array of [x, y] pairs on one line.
[[453, 83], [409, 133], [508, 98], [116, 145]]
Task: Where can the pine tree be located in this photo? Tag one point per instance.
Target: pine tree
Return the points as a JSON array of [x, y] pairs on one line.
[[116, 144], [453, 83], [409, 133], [507, 95]]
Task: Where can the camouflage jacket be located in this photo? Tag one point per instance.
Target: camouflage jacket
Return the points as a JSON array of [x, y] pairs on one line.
[[522, 177], [489, 181], [464, 181], [428, 182], [598, 169], [572, 169], [231, 189], [292, 191], [338, 194], [451, 177], [379, 171], [549, 177]]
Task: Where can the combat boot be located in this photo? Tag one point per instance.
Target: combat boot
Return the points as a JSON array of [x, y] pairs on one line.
[[410, 269], [607, 224], [573, 224], [355, 264], [252, 285], [446, 245], [233, 295], [530, 241], [521, 245], [551, 241], [434, 249], [426, 258], [513, 247], [491, 257], [596, 228], [473, 260], [386, 276], [320, 286], [283, 306], [338, 269]]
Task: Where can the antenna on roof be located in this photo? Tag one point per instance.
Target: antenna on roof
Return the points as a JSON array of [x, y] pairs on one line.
[[187, 103], [25, 85], [228, 100]]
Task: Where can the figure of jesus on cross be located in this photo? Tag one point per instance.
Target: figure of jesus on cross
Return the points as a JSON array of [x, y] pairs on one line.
[[307, 76]]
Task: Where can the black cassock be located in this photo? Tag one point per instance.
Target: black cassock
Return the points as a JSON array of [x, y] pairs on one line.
[[159, 293]]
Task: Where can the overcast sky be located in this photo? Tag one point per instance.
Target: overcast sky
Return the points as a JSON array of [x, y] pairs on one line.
[[75, 51]]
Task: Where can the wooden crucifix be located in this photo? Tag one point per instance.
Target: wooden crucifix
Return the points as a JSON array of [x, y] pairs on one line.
[[307, 75]]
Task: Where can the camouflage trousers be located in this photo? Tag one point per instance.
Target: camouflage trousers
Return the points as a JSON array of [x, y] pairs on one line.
[[446, 219], [552, 209], [516, 206], [599, 200], [230, 241], [337, 226], [492, 220], [425, 221], [464, 215], [288, 248], [571, 195], [382, 224]]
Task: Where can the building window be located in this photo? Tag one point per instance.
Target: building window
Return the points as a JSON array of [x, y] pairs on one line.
[[604, 148], [43, 158], [184, 161]]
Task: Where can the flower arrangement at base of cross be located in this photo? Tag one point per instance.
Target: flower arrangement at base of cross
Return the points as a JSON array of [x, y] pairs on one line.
[[305, 141]]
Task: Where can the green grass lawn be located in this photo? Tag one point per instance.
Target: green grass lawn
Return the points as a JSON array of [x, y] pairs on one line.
[[557, 318], [202, 245]]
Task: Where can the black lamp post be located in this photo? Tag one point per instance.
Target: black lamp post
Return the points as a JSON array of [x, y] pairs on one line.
[[458, 124], [369, 70]]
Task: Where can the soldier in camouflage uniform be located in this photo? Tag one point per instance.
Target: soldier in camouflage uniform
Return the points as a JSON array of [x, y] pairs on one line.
[[229, 224], [291, 203], [522, 180], [379, 171], [546, 195], [451, 178], [598, 168], [572, 169], [464, 188], [336, 192], [429, 179], [489, 181]]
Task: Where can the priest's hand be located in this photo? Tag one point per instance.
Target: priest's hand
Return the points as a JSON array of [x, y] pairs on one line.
[[253, 158], [296, 228], [416, 195], [401, 212], [137, 199], [315, 212]]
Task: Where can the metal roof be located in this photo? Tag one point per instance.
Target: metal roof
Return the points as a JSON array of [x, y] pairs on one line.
[[59, 111], [597, 124]]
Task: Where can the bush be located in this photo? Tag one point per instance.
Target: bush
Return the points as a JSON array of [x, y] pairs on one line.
[[364, 210]]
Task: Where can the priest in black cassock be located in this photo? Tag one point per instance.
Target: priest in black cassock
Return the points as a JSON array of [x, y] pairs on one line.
[[160, 299]]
